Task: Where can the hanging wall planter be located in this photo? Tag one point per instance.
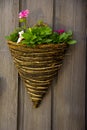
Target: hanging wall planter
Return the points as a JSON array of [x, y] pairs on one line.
[[37, 66], [38, 53]]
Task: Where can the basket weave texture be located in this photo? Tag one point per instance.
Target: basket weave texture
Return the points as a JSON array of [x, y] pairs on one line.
[[37, 66]]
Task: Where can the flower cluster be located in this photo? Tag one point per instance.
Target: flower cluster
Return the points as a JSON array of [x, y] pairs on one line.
[[24, 14], [59, 31], [40, 33]]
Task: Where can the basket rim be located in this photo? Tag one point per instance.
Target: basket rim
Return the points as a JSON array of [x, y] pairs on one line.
[[37, 46]]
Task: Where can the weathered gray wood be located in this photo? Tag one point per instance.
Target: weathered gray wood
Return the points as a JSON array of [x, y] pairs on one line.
[[69, 93], [64, 107], [40, 118], [8, 75]]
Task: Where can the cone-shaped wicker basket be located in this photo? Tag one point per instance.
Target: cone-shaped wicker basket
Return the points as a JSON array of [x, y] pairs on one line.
[[37, 66]]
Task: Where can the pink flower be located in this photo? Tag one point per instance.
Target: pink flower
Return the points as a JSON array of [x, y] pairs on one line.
[[24, 13], [59, 31]]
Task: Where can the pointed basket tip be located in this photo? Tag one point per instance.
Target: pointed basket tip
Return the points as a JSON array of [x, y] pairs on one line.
[[36, 103]]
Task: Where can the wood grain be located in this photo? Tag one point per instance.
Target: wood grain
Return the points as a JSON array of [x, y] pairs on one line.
[[69, 93], [8, 74], [40, 118], [63, 108]]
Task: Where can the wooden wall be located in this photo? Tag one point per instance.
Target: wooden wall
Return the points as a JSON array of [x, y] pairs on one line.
[[63, 108]]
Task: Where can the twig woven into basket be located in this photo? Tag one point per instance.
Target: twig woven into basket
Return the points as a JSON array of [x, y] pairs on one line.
[[37, 66]]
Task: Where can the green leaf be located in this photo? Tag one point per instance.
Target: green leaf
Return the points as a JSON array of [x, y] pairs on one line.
[[24, 42], [72, 42], [69, 33], [62, 36], [30, 29], [48, 40], [14, 35]]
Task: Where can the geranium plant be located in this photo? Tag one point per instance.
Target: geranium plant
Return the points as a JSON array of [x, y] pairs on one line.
[[40, 33]]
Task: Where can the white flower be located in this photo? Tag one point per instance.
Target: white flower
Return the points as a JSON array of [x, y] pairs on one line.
[[20, 36]]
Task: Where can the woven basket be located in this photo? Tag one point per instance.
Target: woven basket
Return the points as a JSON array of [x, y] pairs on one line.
[[37, 66]]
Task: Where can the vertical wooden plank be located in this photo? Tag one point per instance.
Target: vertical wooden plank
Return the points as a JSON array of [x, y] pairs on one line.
[[86, 77], [40, 118], [8, 75], [69, 93]]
